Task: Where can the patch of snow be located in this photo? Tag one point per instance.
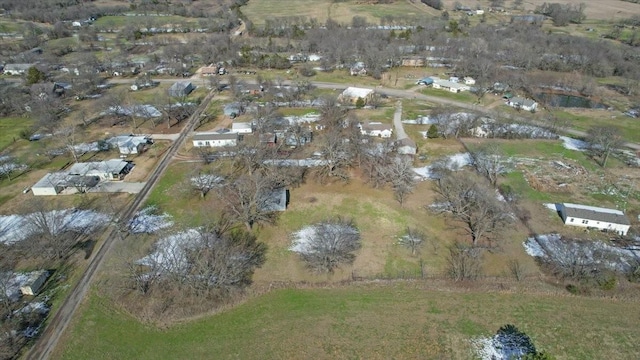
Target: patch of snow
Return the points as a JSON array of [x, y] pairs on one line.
[[170, 253], [297, 162], [562, 251], [302, 240], [304, 119], [496, 348], [453, 162], [551, 206], [8, 165], [37, 307], [147, 221], [574, 144], [14, 228]]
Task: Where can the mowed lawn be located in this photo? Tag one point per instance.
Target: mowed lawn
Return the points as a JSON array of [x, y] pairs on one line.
[[10, 129], [368, 321]]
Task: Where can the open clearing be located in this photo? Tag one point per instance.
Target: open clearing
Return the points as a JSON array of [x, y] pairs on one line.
[[260, 10], [368, 321]]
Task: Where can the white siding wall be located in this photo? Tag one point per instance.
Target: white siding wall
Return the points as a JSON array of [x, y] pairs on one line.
[[42, 191], [619, 228]]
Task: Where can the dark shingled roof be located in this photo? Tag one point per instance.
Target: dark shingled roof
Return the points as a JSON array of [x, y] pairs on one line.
[[214, 136], [595, 213]]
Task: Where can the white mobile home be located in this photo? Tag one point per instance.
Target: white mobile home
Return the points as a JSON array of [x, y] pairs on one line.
[[214, 139], [594, 217]]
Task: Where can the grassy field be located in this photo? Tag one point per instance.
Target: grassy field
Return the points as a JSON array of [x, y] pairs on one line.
[[463, 96], [374, 321], [10, 128], [260, 10], [584, 120]]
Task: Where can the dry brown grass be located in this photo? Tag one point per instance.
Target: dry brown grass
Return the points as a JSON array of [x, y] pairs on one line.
[[600, 9]]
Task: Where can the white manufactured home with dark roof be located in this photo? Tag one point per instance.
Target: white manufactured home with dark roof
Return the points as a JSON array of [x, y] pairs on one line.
[[594, 217]]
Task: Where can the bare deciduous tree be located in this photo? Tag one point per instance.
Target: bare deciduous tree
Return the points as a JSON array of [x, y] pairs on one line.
[[205, 181], [413, 240], [464, 262], [402, 178], [472, 203], [327, 245], [603, 140], [249, 199], [487, 159]]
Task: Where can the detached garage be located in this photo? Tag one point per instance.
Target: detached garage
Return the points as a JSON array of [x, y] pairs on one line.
[[50, 184]]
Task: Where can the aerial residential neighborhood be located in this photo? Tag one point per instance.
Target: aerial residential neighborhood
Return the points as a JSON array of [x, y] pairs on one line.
[[369, 179]]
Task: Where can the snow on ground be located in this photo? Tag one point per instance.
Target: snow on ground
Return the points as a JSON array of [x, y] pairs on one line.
[[551, 206], [8, 165], [38, 307], [297, 162], [303, 239], [147, 221], [453, 162], [497, 348], [304, 119], [574, 144], [563, 251], [14, 228], [170, 253]]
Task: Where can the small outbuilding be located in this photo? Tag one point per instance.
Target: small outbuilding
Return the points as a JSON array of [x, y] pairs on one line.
[[594, 217], [181, 88], [34, 283]]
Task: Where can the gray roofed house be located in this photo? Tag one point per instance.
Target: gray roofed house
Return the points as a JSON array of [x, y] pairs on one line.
[[594, 217], [215, 139], [522, 103], [114, 169], [181, 88], [55, 183]]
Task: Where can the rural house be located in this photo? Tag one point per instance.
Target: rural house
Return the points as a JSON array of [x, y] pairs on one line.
[[377, 129], [450, 86], [242, 127], [358, 69], [129, 144], [181, 88], [522, 103], [594, 217], [114, 169], [55, 183], [215, 139]]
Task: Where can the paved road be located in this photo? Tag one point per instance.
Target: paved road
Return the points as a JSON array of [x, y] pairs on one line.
[[397, 122], [59, 322]]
